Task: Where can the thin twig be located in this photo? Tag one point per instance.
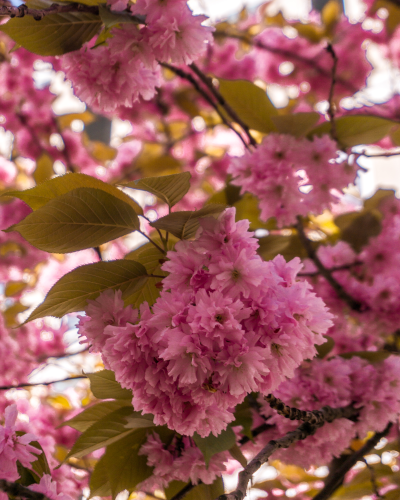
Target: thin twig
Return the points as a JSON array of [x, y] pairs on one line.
[[331, 109], [285, 53], [184, 491], [209, 83], [187, 76], [302, 432], [312, 254], [315, 417], [40, 359], [344, 267], [374, 484], [16, 490], [154, 243], [20, 386], [38, 14], [337, 478]]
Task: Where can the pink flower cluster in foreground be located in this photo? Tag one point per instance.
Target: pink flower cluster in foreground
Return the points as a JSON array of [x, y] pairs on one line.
[[179, 461], [14, 448], [227, 323], [127, 67], [374, 388], [291, 176]]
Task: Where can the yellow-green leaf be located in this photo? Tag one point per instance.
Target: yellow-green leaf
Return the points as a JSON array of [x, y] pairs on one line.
[[14, 288], [90, 416], [40, 195], [74, 289], [371, 356], [106, 431], [297, 124], [104, 386], [44, 169], [111, 19], [82, 218], [250, 103], [184, 225], [55, 34], [211, 444], [169, 188], [125, 468], [357, 129], [99, 481]]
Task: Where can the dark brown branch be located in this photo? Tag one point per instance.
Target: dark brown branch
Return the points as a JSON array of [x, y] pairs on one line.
[[18, 491], [331, 109], [372, 475], [312, 254], [285, 53], [302, 432], [345, 267], [337, 478], [188, 77], [315, 417], [38, 14], [209, 83], [20, 386], [184, 491]]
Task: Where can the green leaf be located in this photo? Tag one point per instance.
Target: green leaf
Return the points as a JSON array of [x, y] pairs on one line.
[[297, 124], [237, 454], [90, 416], [152, 259], [55, 34], [244, 417], [275, 244], [184, 225], [124, 466], [40, 466], [324, 349], [169, 188], [211, 444], [106, 431], [206, 491], [74, 289], [250, 103], [104, 386], [357, 129], [356, 228], [49, 190], [111, 19], [99, 480], [83, 218], [371, 356], [44, 168]]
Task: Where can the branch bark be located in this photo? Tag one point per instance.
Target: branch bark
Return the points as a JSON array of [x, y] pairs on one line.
[[20, 386], [18, 491], [337, 478]]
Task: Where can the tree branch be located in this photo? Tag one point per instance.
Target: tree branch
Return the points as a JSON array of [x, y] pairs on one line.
[[337, 478], [344, 267], [188, 77], [209, 83], [312, 254], [18, 491], [20, 386], [302, 432], [315, 417], [331, 109]]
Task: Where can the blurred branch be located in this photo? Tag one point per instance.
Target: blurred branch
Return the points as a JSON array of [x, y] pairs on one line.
[[188, 77], [209, 83], [331, 109], [20, 386], [337, 478], [302, 432], [16, 490], [344, 267], [312, 254]]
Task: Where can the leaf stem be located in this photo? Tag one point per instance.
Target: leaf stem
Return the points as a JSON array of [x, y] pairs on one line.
[[153, 242]]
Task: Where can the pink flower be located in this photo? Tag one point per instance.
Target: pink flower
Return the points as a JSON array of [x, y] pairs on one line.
[[49, 488]]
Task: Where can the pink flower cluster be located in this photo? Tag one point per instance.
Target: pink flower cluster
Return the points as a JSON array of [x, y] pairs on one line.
[[227, 323], [127, 68], [291, 176], [180, 461], [337, 382], [14, 448]]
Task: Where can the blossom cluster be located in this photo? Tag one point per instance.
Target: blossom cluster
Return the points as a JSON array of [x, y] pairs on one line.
[[226, 324], [291, 176], [127, 67], [337, 382], [180, 461]]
